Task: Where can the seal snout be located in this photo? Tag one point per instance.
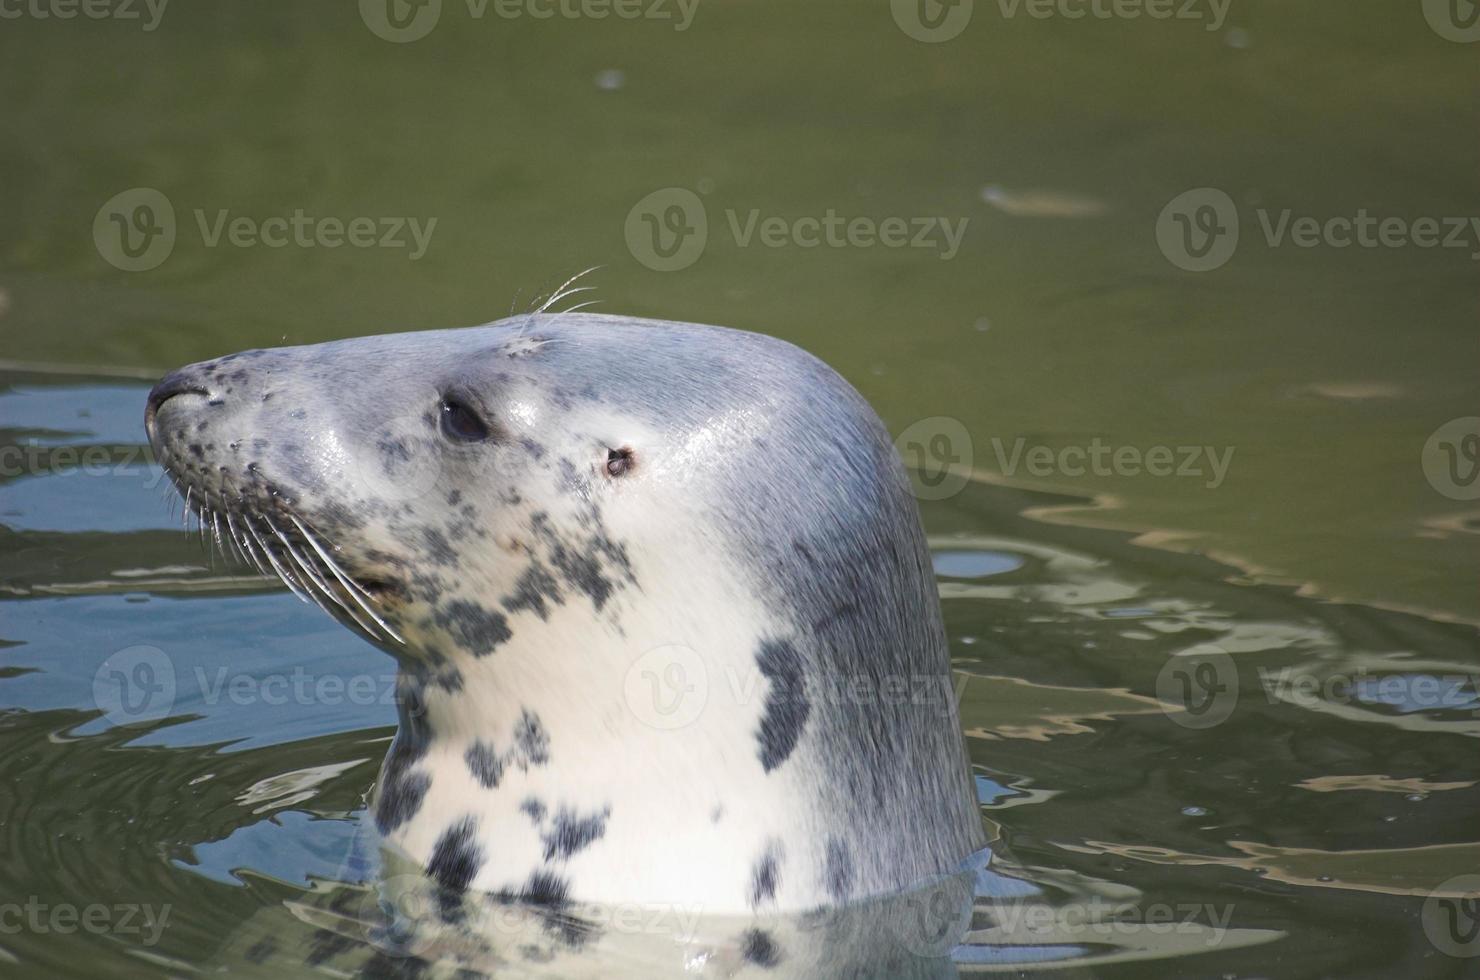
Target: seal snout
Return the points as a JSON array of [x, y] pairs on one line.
[[185, 381]]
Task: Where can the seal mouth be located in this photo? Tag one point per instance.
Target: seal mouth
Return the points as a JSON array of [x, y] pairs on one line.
[[280, 544]]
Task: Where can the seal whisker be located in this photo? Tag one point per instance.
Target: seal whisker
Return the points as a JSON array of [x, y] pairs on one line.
[[355, 590], [306, 573], [242, 544], [282, 573], [560, 292]]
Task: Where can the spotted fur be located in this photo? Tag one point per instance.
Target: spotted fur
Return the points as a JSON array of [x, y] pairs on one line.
[[756, 553]]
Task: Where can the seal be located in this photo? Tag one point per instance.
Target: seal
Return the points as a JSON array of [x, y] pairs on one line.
[[665, 618]]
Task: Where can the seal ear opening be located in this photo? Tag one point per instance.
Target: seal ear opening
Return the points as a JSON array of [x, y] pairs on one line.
[[619, 462]]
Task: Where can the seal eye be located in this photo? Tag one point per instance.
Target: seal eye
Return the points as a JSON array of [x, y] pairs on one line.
[[460, 423], [618, 461]]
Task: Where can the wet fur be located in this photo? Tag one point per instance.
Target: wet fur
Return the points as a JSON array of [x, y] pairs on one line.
[[766, 525]]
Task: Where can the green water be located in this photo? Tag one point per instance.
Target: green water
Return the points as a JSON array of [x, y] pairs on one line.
[[1315, 530]]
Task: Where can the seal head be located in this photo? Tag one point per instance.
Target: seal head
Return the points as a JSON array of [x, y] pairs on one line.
[[666, 620]]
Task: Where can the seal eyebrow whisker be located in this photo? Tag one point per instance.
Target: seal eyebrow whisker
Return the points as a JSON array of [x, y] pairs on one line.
[[561, 290], [355, 590]]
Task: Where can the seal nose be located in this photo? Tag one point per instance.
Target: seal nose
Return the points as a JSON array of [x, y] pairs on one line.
[[180, 382]]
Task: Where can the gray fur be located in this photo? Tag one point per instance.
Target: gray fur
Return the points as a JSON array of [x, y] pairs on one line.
[[795, 484]]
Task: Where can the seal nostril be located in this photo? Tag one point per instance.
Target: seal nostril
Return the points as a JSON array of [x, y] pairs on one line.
[[172, 384]]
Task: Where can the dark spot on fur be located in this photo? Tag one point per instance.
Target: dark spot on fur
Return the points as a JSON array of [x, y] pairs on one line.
[[483, 761], [393, 452], [766, 875], [838, 870], [546, 888], [758, 947], [456, 857], [532, 740], [449, 679], [534, 809], [439, 549], [533, 448], [476, 627], [787, 705], [535, 585], [402, 791], [454, 498], [570, 834]]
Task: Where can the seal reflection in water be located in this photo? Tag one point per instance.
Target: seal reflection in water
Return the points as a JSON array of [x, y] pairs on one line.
[[663, 609]]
